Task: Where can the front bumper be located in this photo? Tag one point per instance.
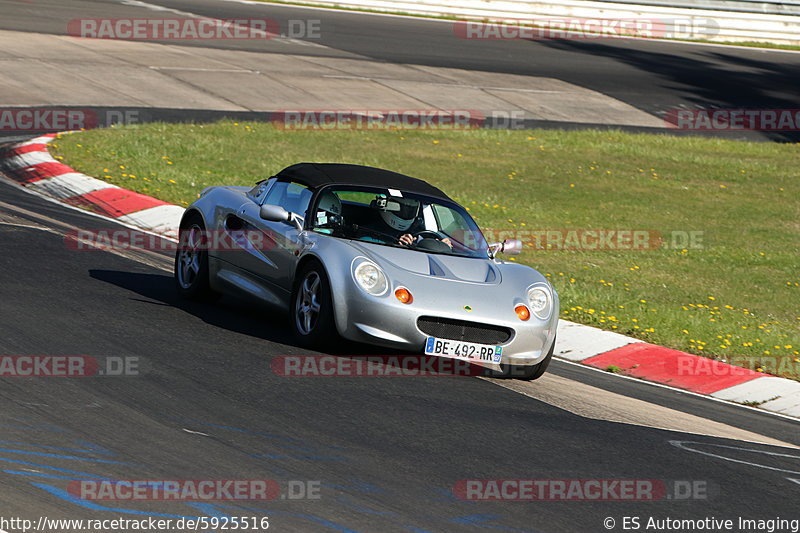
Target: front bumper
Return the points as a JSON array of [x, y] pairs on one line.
[[385, 321]]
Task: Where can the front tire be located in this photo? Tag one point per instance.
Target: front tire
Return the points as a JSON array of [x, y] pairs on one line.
[[191, 261], [312, 308], [525, 372]]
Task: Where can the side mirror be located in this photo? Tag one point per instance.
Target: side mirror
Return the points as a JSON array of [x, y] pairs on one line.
[[276, 213], [508, 247], [511, 247]]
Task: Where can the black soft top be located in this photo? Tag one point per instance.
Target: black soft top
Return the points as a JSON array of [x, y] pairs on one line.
[[316, 175]]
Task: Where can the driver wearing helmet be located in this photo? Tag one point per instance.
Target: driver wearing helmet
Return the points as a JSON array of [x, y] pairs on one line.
[[402, 215]]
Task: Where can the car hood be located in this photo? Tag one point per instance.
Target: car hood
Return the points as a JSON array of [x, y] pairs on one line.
[[437, 265]]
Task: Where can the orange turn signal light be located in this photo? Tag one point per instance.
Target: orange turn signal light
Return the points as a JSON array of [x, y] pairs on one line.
[[404, 295], [523, 313]]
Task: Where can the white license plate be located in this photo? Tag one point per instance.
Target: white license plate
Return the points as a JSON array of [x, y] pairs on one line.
[[467, 351]]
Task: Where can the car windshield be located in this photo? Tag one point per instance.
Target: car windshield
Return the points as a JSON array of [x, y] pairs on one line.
[[397, 218]]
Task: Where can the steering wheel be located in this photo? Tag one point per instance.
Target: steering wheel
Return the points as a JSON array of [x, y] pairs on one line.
[[432, 241], [429, 234]]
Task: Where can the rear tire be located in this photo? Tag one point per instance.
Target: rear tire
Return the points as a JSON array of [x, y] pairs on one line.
[[191, 261], [525, 372], [312, 308]]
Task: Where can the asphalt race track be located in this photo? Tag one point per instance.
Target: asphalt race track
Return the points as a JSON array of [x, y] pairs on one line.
[[377, 454], [649, 75], [387, 452]]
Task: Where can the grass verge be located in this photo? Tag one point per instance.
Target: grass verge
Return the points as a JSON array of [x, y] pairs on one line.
[[734, 292]]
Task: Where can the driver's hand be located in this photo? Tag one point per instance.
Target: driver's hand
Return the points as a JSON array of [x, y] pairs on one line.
[[448, 242], [406, 239]]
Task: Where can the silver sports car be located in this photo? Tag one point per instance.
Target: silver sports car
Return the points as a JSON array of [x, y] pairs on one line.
[[373, 256]]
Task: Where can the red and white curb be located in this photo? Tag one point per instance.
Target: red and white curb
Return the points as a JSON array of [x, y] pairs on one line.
[[31, 165], [701, 375]]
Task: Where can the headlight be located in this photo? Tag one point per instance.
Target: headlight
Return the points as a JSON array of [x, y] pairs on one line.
[[371, 278], [539, 302]]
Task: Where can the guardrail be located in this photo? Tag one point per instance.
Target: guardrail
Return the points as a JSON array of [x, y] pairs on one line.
[[727, 24], [790, 7]]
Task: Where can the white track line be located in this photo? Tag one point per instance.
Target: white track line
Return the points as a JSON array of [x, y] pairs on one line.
[[683, 391]]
